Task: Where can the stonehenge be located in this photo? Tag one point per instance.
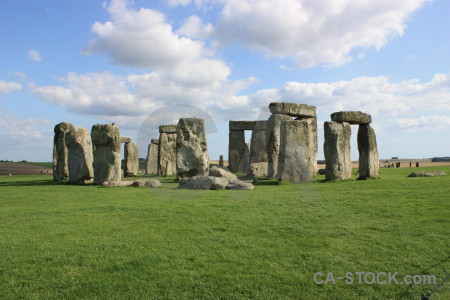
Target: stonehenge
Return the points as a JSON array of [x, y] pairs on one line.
[[60, 163], [131, 164], [167, 150], [79, 155], [151, 162], [337, 146], [191, 148], [107, 159]]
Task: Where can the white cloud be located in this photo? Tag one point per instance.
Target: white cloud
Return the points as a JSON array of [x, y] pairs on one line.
[[34, 55], [309, 32], [423, 122], [7, 87], [194, 27]]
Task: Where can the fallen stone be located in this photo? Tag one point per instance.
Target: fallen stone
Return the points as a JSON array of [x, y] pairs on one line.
[[79, 155], [117, 183], [293, 109], [337, 151], [257, 169], [352, 117], [220, 172], [191, 148], [202, 182], [427, 174], [239, 185], [151, 183]]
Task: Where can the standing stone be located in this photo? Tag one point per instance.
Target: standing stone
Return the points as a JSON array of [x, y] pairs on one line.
[[60, 163], [337, 151], [191, 148], [273, 142], [167, 150], [368, 153], [221, 163], [236, 149], [243, 164], [298, 156], [258, 144], [80, 157], [107, 158], [131, 160], [152, 157]]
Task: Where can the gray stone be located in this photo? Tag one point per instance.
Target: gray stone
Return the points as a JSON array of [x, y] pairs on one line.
[[298, 158], [427, 174], [221, 163], [60, 163], [239, 185], [273, 142], [131, 155], [202, 182], [293, 109], [167, 150], [258, 144], [107, 158], [170, 128], [79, 155], [352, 117], [191, 148], [236, 149], [243, 164], [220, 172], [337, 151], [124, 139], [368, 153], [151, 183], [241, 125], [151, 166], [257, 169], [117, 183]]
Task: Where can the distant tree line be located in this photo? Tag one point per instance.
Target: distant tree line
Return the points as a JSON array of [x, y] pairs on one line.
[[437, 159]]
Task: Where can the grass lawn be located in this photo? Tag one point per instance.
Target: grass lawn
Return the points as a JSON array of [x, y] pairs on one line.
[[61, 241]]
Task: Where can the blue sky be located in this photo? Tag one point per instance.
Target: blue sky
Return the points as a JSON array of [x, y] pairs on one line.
[[144, 63]]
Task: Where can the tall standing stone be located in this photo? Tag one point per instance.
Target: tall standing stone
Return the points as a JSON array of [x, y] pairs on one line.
[[131, 154], [298, 157], [273, 142], [368, 153], [244, 163], [107, 159], [167, 150], [236, 143], [60, 163], [191, 148], [80, 157], [258, 143], [337, 151], [151, 166]]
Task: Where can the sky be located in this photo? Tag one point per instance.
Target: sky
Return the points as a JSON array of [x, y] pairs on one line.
[[142, 63]]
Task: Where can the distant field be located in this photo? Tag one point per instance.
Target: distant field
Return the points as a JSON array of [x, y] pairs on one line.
[[61, 241]]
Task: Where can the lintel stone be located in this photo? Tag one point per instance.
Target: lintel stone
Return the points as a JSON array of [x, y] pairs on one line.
[[352, 117], [124, 139], [293, 109], [171, 128], [154, 141], [242, 125]]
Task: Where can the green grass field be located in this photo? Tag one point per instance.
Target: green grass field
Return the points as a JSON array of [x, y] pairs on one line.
[[60, 241]]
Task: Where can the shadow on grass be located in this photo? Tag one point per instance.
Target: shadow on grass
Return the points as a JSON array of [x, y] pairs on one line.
[[42, 182]]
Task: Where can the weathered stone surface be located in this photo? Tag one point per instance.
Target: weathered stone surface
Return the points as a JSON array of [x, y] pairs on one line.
[[131, 155], [368, 153], [219, 172], [273, 142], [258, 144], [239, 185], [352, 117], [236, 149], [298, 157], [191, 148], [243, 164], [124, 139], [107, 158], [170, 128], [151, 166], [257, 169], [60, 163], [427, 174], [221, 162], [79, 155], [241, 125], [167, 152], [202, 182], [151, 183], [117, 183], [337, 151], [293, 109]]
